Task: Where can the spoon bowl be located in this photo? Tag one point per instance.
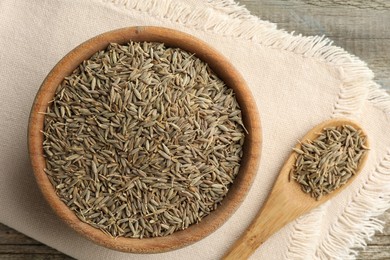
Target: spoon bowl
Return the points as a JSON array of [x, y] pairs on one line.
[[287, 201]]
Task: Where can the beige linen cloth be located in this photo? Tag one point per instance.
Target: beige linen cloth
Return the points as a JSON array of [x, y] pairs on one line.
[[297, 83]]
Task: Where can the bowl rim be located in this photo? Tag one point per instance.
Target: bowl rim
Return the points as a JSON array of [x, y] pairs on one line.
[[221, 66]]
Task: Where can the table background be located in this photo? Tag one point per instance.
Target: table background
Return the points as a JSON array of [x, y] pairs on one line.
[[361, 27]]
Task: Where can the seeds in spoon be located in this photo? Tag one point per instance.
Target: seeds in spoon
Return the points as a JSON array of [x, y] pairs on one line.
[[328, 162]]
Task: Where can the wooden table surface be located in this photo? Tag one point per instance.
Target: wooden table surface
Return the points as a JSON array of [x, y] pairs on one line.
[[361, 27]]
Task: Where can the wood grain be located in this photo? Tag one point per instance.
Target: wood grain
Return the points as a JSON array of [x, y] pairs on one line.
[[286, 201], [360, 27]]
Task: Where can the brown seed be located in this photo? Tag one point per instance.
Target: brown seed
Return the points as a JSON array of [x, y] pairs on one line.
[[142, 140], [322, 165]]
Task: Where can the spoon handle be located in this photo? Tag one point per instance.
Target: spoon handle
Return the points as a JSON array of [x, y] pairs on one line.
[[287, 201], [278, 210], [268, 221]]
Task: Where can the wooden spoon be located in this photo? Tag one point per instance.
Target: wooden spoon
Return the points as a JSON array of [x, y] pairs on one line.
[[287, 201]]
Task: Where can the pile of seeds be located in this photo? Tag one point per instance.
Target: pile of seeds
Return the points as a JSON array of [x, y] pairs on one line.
[[142, 140], [328, 162]]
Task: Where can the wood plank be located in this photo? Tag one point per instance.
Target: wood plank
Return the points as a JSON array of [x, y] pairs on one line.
[[9, 236], [27, 249], [34, 257], [374, 252]]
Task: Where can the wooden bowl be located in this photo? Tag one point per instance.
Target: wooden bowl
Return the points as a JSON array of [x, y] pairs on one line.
[[221, 66]]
